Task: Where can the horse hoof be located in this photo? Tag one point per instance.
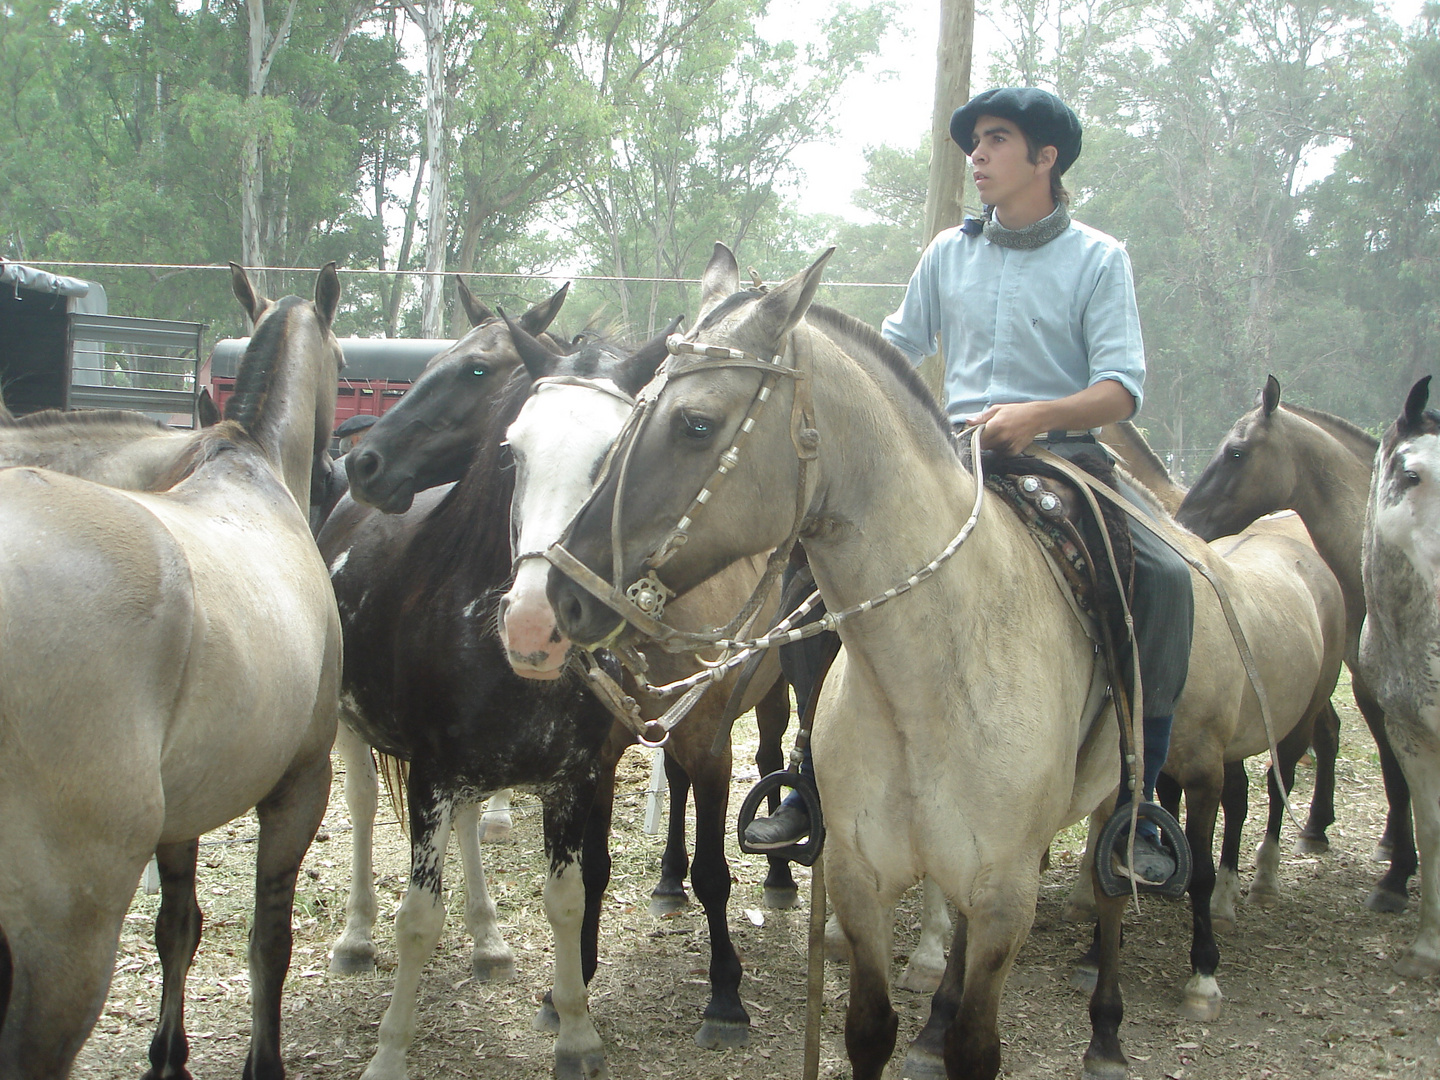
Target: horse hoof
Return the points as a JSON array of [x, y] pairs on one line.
[[1265, 896], [497, 830], [922, 1065], [919, 978], [1411, 966], [781, 899], [1084, 977], [547, 1019], [1199, 1007], [722, 1035], [1312, 845], [1222, 924], [360, 961], [1384, 852], [661, 906], [492, 969], [1078, 912], [1100, 1069], [572, 1066], [1384, 900]]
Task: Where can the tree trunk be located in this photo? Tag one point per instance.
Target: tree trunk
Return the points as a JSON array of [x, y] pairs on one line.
[[432, 295], [945, 194], [252, 176]]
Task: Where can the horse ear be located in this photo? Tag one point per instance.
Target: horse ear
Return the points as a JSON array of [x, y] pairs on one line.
[[253, 303], [475, 311], [785, 305], [1270, 396], [327, 293], [539, 317], [206, 411], [538, 360], [1419, 397], [641, 366], [721, 277]]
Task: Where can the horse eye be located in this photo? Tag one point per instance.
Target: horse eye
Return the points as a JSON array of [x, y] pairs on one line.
[[480, 371], [695, 427], [1237, 455], [1412, 477]]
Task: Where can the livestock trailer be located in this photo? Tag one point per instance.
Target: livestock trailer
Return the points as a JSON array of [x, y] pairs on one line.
[[378, 371]]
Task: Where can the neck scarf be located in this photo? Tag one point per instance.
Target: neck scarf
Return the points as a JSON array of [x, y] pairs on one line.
[[1032, 236]]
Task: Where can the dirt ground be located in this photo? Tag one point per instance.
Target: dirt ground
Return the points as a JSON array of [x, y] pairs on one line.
[[1309, 987]]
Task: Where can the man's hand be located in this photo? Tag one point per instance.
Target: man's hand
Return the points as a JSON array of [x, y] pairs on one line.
[[1012, 428]]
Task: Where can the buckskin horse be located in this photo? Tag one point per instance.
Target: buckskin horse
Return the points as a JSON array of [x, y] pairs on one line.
[[1280, 456], [1400, 643], [168, 660], [937, 749]]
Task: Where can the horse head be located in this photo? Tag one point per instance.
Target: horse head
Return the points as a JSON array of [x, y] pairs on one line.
[[558, 442], [430, 436], [286, 383], [1250, 475], [679, 460], [1407, 470]]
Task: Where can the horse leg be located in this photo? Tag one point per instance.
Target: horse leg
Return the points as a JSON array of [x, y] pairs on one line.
[[289, 818], [1200, 1000], [726, 1024], [999, 920], [496, 822], [1325, 738], [579, 1054], [870, 1020], [1235, 800], [772, 717], [927, 963], [925, 1060], [418, 923], [1080, 905], [1104, 1058], [491, 960], [669, 893], [1391, 892], [354, 951], [1422, 766], [1265, 886], [177, 936]]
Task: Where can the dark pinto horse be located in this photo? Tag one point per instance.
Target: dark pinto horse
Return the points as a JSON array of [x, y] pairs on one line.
[[1279, 457], [428, 682], [168, 660]]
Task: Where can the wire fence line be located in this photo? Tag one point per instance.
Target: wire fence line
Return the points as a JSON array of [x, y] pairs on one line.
[[537, 275]]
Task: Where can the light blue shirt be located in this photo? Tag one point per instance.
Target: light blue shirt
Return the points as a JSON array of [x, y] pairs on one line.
[[1023, 325]]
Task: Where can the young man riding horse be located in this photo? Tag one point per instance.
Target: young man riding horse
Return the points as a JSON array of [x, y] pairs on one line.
[[1037, 319]]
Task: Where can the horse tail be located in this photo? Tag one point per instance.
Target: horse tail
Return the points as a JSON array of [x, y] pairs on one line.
[[7, 975], [395, 773]]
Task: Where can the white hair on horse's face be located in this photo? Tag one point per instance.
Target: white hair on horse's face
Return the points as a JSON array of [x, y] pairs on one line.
[[559, 441], [1407, 503]]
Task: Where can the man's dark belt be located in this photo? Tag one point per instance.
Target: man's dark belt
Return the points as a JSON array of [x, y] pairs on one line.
[[1083, 435]]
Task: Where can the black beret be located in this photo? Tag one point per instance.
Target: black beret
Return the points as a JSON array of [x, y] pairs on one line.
[[1040, 114], [354, 425]]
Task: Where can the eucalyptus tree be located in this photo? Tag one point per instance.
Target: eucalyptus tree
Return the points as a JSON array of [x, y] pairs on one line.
[[706, 114]]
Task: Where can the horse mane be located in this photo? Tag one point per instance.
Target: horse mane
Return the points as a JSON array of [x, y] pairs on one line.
[[1360, 441], [207, 444], [246, 404], [471, 526], [851, 330], [121, 418]]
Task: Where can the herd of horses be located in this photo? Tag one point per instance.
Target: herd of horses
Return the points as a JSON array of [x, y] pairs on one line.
[[174, 606]]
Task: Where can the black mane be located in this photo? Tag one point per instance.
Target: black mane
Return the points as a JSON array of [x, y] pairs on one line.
[[257, 366]]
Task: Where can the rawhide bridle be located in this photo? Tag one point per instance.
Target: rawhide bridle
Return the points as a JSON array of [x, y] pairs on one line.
[[642, 604]]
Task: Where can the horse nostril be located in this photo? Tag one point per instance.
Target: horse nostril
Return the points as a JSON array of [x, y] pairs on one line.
[[363, 464], [500, 612], [571, 611]]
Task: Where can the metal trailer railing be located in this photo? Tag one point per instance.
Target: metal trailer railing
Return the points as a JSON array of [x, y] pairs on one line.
[[150, 365]]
